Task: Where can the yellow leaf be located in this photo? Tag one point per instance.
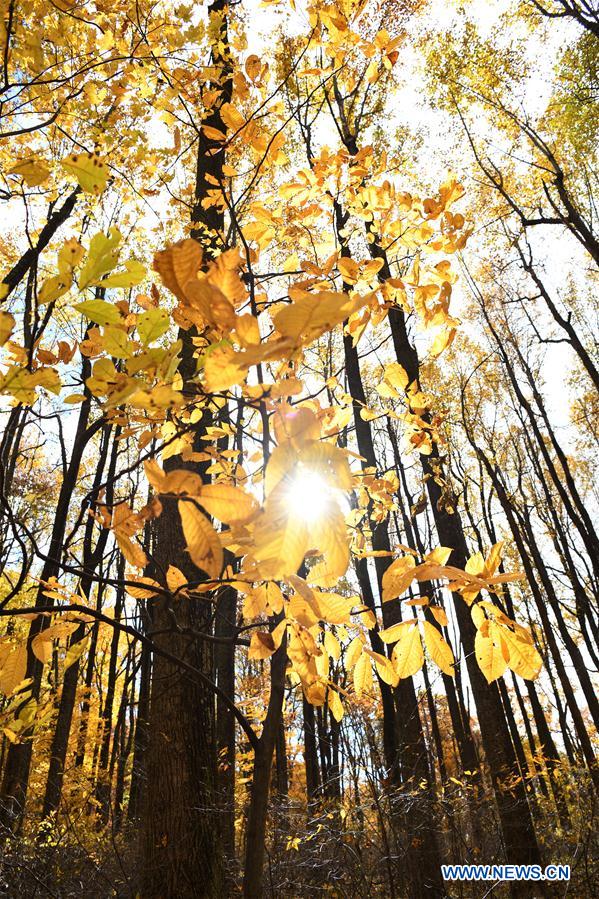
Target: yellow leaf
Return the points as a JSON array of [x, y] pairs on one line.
[[89, 169], [264, 598], [328, 535], [354, 651], [115, 340], [178, 264], [349, 270], [13, 669], [330, 461], [314, 313], [363, 675], [475, 564], [335, 705], [41, 646], [438, 649], [523, 657], [33, 171], [145, 590], [261, 646], [281, 538], [384, 667], [443, 339], [74, 652], [398, 577], [100, 312], [210, 302], [439, 614], [396, 376], [175, 579], [154, 474], [303, 609], [132, 552], [203, 544], [493, 559], [247, 330], [490, 657], [254, 603], [213, 133], [152, 324], [297, 425], [333, 608], [331, 644], [438, 556], [222, 369], [282, 460], [253, 66], [102, 257], [7, 324], [478, 615], [180, 482], [228, 503], [134, 273], [407, 653]]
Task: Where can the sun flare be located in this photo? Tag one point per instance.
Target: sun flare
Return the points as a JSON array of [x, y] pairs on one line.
[[309, 495]]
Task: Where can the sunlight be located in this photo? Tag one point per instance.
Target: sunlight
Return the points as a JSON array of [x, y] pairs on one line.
[[309, 494]]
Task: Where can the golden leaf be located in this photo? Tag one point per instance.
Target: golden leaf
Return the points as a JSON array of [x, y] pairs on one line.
[[363, 675], [178, 264], [384, 667], [89, 170], [314, 313], [440, 615], [228, 503], [41, 646], [132, 552], [334, 609], [175, 579], [33, 171], [7, 324], [408, 656], [354, 650], [281, 538], [146, 589], [335, 705], [74, 652], [13, 670], [398, 577], [523, 656], [490, 656], [262, 645], [438, 649], [203, 544], [328, 536], [332, 645]]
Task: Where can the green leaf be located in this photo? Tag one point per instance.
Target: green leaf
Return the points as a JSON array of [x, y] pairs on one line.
[[152, 325], [102, 257], [116, 343], [134, 274], [89, 170], [100, 312]]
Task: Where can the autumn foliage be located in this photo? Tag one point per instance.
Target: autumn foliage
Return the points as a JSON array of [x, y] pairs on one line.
[[299, 554]]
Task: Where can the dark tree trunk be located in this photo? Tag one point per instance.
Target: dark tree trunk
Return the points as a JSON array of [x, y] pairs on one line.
[[260, 788], [91, 559], [140, 740], [15, 781]]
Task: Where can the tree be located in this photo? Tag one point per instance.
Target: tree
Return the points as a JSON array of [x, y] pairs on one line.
[[272, 610]]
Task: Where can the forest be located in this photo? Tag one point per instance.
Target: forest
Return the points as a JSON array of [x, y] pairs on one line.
[[299, 373]]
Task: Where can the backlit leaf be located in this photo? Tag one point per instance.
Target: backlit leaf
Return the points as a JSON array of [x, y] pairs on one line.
[[89, 170], [408, 656], [438, 649], [203, 544]]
